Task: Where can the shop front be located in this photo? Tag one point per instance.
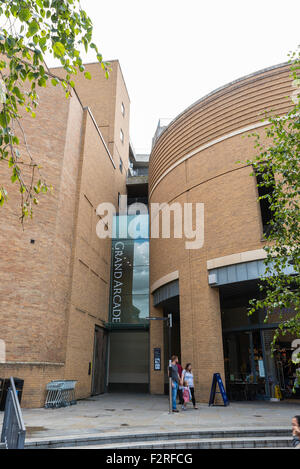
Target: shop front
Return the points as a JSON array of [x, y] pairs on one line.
[[253, 371]]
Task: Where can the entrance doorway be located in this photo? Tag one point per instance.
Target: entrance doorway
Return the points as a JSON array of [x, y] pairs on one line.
[[128, 361], [167, 299], [99, 361]]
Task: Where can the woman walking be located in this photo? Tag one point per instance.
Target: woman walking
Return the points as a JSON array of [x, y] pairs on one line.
[[187, 375]]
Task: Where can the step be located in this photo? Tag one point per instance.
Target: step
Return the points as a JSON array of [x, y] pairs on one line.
[[119, 439], [205, 443]]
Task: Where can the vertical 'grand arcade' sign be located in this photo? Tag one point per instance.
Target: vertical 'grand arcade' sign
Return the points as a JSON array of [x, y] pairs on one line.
[[129, 292], [117, 281]]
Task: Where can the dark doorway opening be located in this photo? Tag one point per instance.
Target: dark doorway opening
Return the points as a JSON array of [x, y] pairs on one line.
[[99, 361], [171, 306], [129, 361]]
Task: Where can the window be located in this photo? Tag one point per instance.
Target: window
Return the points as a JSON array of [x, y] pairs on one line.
[[122, 136], [265, 186], [123, 110], [121, 165]]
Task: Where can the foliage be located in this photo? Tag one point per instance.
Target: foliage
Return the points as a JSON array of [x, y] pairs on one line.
[[30, 30], [277, 167]]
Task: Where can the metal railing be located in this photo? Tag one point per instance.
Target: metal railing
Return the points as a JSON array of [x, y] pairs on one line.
[[142, 171], [13, 429]]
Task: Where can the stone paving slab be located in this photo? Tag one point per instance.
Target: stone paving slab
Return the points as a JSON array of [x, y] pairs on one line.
[[111, 414]]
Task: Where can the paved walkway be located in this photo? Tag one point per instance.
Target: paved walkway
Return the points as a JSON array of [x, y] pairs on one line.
[[140, 413]]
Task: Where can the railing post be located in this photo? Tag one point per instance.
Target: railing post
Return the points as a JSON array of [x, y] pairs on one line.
[[7, 418], [13, 429]]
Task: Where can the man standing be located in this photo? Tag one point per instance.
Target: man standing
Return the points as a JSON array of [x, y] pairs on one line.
[[175, 382]]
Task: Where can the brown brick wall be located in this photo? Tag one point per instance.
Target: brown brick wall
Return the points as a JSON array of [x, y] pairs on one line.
[[35, 285], [232, 107], [91, 269], [156, 340], [35, 379], [54, 292], [104, 97]]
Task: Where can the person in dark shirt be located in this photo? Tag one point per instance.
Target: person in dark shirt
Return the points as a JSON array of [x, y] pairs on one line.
[[179, 368], [175, 382]]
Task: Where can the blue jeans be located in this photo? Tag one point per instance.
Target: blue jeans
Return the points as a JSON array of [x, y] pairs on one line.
[[174, 394]]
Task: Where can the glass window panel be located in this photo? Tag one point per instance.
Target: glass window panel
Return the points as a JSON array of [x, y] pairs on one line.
[[142, 303], [141, 252], [131, 253], [235, 317], [134, 308], [131, 226], [140, 282]]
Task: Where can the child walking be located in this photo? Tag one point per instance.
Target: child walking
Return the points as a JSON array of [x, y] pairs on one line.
[[186, 394]]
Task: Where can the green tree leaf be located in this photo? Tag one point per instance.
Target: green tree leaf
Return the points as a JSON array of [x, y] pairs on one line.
[[59, 49], [24, 14], [38, 29], [33, 28]]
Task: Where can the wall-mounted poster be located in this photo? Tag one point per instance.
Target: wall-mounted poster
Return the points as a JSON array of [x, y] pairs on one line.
[[157, 359]]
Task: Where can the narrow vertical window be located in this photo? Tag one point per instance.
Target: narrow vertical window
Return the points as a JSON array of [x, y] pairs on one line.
[[265, 186], [122, 136], [123, 110]]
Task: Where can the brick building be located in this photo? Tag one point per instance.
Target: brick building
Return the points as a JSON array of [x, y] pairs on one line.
[[56, 274], [194, 160], [66, 314]]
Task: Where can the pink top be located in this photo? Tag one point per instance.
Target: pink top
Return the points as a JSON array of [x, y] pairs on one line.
[[186, 394]]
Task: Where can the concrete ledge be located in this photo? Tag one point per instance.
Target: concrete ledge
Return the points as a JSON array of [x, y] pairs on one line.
[[163, 280], [132, 180], [10, 363], [238, 258]]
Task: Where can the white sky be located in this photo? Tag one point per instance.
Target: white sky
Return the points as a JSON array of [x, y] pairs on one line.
[[174, 52]]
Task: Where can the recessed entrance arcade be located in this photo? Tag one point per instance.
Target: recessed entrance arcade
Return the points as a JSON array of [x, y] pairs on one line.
[[167, 298]]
